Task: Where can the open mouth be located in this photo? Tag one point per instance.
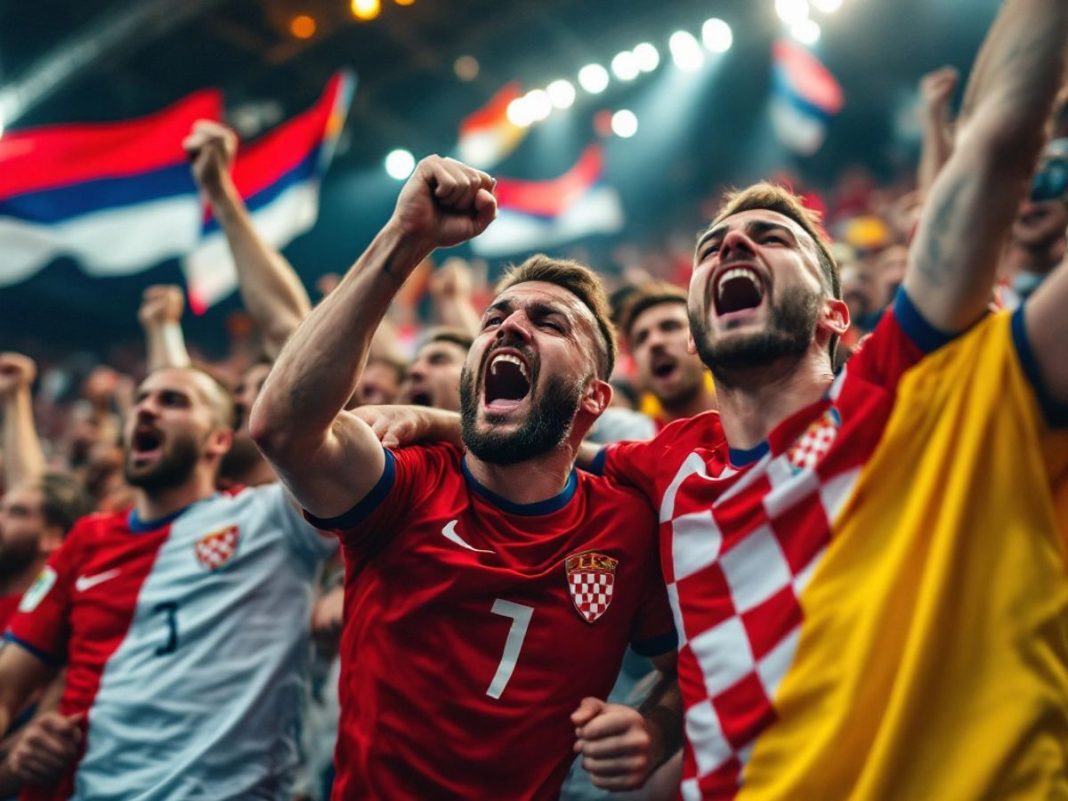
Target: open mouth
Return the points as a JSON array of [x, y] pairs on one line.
[[507, 381], [420, 397], [738, 289], [663, 366], [146, 443]]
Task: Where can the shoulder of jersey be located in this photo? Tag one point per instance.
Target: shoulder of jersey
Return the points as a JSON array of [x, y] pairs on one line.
[[701, 430]]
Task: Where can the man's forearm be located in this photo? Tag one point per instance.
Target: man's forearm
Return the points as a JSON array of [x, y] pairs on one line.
[[662, 711], [270, 288], [23, 456], [165, 346], [319, 367]]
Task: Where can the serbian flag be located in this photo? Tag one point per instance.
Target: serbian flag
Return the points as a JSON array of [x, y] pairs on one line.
[[117, 197], [487, 136], [534, 215], [278, 177], [805, 96]]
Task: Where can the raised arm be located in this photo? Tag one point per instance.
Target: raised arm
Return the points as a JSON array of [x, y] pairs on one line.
[[329, 458], [22, 675], [270, 289], [23, 457], [974, 199], [936, 89], [450, 291], [160, 316]]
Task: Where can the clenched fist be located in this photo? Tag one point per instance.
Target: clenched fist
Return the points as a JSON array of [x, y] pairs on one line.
[[162, 303], [445, 203], [211, 147], [16, 373]]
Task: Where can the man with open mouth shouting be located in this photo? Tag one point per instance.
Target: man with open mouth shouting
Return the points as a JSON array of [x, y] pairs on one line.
[[489, 595]]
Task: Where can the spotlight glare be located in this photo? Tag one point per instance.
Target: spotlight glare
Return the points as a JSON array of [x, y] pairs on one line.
[[792, 12], [647, 56], [827, 6], [399, 164], [593, 78], [807, 32], [365, 10], [561, 93], [519, 113], [539, 104], [404, 2], [625, 66], [716, 35], [466, 68], [624, 123], [685, 51], [302, 26]]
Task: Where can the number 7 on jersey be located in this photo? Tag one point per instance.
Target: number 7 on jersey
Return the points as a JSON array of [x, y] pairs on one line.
[[520, 616]]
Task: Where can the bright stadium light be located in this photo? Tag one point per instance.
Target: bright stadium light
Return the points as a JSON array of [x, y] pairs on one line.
[[365, 10], [399, 164], [806, 32], [519, 113], [593, 78], [647, 56], [625, 66], [685, 51], [717, 36], [624, 123], [539, 104], [792, 12], [561, 93], [827, 6]]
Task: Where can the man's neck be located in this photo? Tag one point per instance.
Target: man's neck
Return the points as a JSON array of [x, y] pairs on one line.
[[534, 480], [158, 504], [704, 400], [754, 402]]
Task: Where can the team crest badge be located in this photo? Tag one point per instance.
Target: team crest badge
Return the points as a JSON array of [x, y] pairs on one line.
[[590, 578], [813, 445], [215, 549]]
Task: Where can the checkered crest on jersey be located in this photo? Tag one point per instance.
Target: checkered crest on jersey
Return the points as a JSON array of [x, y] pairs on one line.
[[814, 444], [215, 549], [590, 579]]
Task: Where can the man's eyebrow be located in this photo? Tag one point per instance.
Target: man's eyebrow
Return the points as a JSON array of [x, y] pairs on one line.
[[709, 235], [753, 227], [501, 305]]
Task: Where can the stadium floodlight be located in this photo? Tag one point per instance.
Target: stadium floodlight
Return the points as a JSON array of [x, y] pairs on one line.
[[827, 6], [519, 113], [806, 32], [647, 56], [539, 104], [624, 123], [717, 36], [686, 51], [792, 12], [365, 10], [561, 93], [593, 78], [399, 164], [625, 66]]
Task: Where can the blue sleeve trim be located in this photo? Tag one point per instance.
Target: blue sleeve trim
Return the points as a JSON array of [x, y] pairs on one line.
[[926, 336], [1056, 413], [662, 644], [48, 659], [597, 465], [362, 510]]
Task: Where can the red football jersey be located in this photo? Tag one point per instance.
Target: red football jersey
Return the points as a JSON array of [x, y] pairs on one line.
[[475, 626], [8, 605]]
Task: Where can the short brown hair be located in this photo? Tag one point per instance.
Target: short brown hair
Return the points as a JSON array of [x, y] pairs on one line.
[[444, 333], [775, 198], [645, 297], [581, 282], [63, 500]]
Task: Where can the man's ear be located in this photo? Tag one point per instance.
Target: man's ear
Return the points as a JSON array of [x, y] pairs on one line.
[[219, 442], [691, 345], [835, 318], [597, 397], [50, 540]]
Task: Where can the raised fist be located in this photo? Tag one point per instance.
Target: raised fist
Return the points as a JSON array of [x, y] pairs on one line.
[[211, 147], [444, 203], [160, 304], [936, 87], [451, 280], [16, 372]]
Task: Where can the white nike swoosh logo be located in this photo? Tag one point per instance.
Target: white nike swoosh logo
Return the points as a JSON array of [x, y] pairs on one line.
[[450, 534], [84, 583]]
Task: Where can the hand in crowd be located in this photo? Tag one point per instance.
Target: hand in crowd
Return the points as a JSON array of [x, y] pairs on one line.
[[451, 280], [399, 425], [161, 304], [616, 747], [211, 148], [445, 203], [46, 748], [16, 372], [936, 88]]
